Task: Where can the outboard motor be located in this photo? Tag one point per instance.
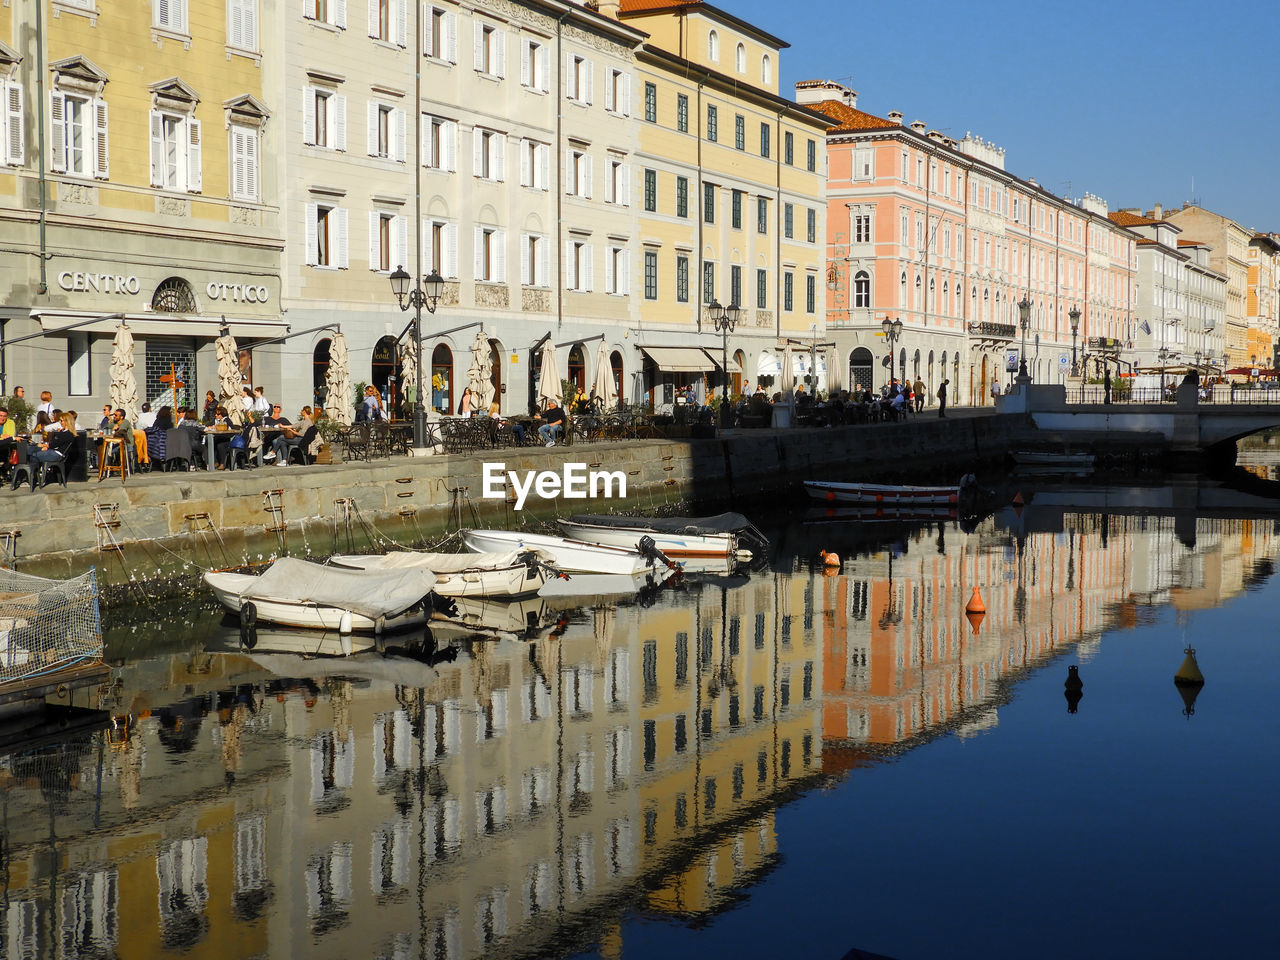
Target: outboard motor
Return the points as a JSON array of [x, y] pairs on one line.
[[648, 548]]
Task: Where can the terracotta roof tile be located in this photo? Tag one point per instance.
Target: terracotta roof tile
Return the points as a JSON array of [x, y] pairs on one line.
[[849, 118], [1192, 243], [1123, 219], [637, 6]]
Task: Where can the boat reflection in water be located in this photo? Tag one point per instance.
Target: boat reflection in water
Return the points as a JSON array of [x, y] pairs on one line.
[[518, 795]]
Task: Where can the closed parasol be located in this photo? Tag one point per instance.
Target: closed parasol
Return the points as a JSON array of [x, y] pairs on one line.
[[788, 373], [337, 383], [124, 388], [603, 386], [480, 373], [549, 386], [228, 353]]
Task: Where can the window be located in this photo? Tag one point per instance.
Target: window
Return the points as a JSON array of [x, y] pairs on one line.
[[740, 132], [388, 241], [324, 123], [735, 284], [534, 260], [862, 290], [617, 93], [169, 15], [713, 123], [491, 255], [245, 171], [713, 49], [326, 236], [175, 152], [439, 34], [439, 143], [79, 146], [766, 70], [386, 132], [578, 266], [578, 79], [326, 11], [617, 271], [490, 149], [811, 226], [788, 290], [535, 66], [535, 160], [490, 55], [242, 24], [618, 186], [682, 196], [762, 289], [812, 156], [810, 293], [788, 221], [682, 279], [740, 58], [737, 210], [440, 248], [708, 282], [577, 179], [651, 103], [682, 112], [651, 190], [79, 364], [387, 20], [864, 163], [762, 215], [862, 228], [12, 145], [765, 131], [709, 203], [788, 148], [651, 274]]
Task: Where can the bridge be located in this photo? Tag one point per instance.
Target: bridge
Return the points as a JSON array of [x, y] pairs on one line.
[[1183, 425]]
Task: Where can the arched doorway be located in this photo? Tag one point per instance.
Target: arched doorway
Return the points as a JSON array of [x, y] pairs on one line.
[[319, 371], [382, 373], [615, 364], [577, 368], [495, 365], [860, 367], [915, 365], [740, 359], [442, 379]]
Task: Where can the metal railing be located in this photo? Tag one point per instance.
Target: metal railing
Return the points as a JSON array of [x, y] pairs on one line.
[[1215, 393]]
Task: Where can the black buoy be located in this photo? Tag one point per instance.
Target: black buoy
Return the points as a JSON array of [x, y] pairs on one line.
[[1074, 688]]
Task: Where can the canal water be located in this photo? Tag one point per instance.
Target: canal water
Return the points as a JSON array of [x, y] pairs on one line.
[[794, 760]]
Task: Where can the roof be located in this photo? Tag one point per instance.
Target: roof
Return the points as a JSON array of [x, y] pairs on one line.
[[1191, 243], [629, 8], [1123, 218], [851, 118], [638, 6]]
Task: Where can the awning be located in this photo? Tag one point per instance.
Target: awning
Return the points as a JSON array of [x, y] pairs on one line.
[[156, 324], [733, 364], [680, 359], [767, 365]]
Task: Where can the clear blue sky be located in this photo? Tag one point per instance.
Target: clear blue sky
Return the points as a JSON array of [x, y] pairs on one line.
[[1132, 100]]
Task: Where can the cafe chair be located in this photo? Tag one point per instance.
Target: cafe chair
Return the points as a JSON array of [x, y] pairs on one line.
[[308, 438], [177, 449], [24, 471]]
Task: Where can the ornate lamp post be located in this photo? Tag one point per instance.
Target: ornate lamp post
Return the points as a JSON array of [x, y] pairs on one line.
[[725, 319], [1163, 354], [892, 331], [1074, 316], [427, 294], [1024, 321]]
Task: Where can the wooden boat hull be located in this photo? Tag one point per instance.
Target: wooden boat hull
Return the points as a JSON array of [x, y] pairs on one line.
[[873, 493], [672, 544], [518, 580], [229, 589], [568, 555]]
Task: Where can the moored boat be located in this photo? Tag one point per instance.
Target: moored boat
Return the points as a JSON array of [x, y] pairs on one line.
[[573, 556], [299, 593], [880, 493], [508, 574], [724, 535]]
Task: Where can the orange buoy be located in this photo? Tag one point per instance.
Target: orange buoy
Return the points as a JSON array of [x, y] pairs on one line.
[[829, 559], [975, 604], [1017, 499], [975, 619]]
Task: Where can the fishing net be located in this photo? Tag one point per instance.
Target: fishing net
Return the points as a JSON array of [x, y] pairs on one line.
[[46, 625]]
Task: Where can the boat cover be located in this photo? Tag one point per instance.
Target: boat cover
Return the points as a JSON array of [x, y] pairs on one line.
[[700, 526], [370, 593], [439, 562]]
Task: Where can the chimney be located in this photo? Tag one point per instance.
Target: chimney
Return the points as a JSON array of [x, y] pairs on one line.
[[851, 98], [608, 8], [1157, 213], [936, 136], [809, 92], [919, 126], [895, 116]]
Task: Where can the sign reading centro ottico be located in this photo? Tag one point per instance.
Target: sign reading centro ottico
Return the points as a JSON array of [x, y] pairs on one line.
[[81, 282]]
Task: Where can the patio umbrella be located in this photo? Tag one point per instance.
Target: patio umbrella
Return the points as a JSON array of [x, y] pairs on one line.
[[603, 385], [788, 374], [549, 386], [480, 373], [124, 388], [228, 354], [337, 383], [835, 382]]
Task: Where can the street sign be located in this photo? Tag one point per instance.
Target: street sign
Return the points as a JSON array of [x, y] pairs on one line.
[[1064, 360], [1011, 361]]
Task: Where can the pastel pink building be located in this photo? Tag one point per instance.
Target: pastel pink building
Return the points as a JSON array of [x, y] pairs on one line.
[[936, 233]]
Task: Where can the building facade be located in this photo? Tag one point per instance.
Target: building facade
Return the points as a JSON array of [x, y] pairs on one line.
[[1228, 244]]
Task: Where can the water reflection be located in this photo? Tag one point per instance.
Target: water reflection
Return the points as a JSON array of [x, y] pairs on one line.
[[523, 796]]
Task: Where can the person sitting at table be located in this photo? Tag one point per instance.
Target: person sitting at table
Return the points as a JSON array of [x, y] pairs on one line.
[[8, 436], [122, 427], [46, 403], [51, 448], [292, 437], [222, 432], [210, 408], [371, 407], [105, 423], [147, 418], [42, 423], [517, 429], [552, 422]]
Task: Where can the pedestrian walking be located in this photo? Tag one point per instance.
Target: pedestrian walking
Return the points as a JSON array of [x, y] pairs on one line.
[[1106, 385], [942, 398], [919, 389], [995, 390]]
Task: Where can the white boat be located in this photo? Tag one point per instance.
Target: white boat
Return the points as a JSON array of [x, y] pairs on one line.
[[724, 535], [879, 493], [509, 574], [299, 593], [567, 555], [490, 619]]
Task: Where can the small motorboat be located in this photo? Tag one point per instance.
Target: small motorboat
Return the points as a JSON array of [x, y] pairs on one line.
[[478, 618], [724, 535], [299, 593], [509, 574], [571, 556], [880, 493]]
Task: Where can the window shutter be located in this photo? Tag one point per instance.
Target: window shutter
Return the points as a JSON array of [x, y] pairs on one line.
[[398, 117], [542, 63], [477, 151], [544, 159], [624, 272], [308, 115], [570, 266], [249, 21], [101, 152], [400, 242], [526, 163], [570, 174], [195, 174], [426, 245], [625, 185], [498, 166], [373, 240], [610, 174], [608, 90], [500, 255], [626, 95], [526, 260], [429, 159], [477, 57], [57, 116], [451, 146], [239, 165], [163, 14], [500, 45], [340, 121], [586, 172], [590, 78], [157, 149], [610, 278], [544, 262], [235, 24], [309, 229], [450, 259], [251, 176], [571, 78], [340, 20], [309, 9], [526, 65], [429, 31], [374, 24], [399, 19], [371, 129], [343, 251], [478, 254], [588, 267], [451, 37]]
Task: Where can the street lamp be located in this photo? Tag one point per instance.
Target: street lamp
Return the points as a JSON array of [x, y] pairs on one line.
[[892, 331], [725, 319], [1074, 316], [427, 294], [1024, 321], [1163, 354]]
